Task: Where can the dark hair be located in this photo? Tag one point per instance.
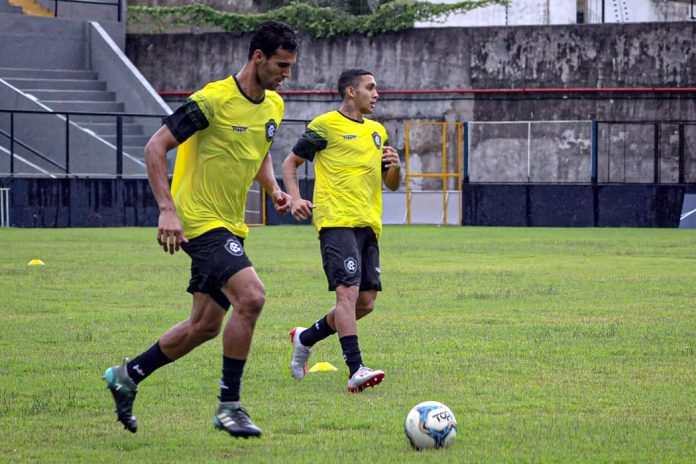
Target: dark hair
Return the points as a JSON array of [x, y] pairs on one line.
[[350, 77], [270, 35]]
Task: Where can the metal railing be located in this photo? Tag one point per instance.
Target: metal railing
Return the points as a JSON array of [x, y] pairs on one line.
[[580, 151], [66, 117]]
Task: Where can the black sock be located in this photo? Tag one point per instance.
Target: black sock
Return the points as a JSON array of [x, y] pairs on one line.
[[316, 333], [231, 381], [351, 353], [146, 363]]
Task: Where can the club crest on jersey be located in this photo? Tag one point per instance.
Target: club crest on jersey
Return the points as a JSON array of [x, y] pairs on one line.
[[377, 139], [233, 247], [351, 265], [271, 127]]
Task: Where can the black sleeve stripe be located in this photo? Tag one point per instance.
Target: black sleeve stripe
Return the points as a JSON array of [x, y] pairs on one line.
[[186, 120], [309, 144]]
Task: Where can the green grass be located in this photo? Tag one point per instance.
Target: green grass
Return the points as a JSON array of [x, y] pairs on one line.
[[559, 345]]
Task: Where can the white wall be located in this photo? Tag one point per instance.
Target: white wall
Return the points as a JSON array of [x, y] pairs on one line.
[[541, 12]]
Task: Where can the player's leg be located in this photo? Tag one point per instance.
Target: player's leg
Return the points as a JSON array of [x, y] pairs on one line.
[[333, 245], [203, 324], [370, 284], [247, 296]]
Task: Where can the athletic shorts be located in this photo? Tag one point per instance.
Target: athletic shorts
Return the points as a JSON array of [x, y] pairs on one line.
[[350, 257], [216, 256]]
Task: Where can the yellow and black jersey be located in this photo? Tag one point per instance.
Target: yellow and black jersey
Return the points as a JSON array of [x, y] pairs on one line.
[[348, 184], [224, 137]]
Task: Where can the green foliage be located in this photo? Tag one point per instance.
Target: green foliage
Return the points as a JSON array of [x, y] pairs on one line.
[[318, 21]]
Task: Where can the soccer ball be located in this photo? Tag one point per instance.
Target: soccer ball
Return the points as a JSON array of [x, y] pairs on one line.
[[430, 424]]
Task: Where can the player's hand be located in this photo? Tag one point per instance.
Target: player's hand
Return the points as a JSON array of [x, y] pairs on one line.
[[170, 234], [281, 201], [390, 157], [301, 209]]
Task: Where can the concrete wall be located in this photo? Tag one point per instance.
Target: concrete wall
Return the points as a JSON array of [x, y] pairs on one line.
[[107, 14], [656, 54], [32, 42], [616, 55]]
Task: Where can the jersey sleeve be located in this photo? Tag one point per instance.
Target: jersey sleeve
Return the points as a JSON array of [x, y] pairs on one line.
[[193, 115], [311, 141]]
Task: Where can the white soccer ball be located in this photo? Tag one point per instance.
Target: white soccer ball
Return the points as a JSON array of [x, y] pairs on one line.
[[430, 424]]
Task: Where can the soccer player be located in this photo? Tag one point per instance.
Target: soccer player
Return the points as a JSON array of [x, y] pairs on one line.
[[224, 132], [353, 158]]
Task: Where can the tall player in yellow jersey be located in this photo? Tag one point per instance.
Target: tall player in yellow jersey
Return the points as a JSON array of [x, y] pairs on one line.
[[352, 159], [224, 132]]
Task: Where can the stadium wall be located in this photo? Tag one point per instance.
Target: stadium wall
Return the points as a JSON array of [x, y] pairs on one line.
[[608, 55], [560, 56], [72, 202]]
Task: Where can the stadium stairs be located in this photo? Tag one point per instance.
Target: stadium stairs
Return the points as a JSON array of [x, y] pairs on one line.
[[62, 64]]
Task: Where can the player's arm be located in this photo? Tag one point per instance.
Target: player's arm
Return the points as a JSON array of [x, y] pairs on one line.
[[391, 170], [266, 178], [307, 146], [301, 209], [169, 231], [178, 127]]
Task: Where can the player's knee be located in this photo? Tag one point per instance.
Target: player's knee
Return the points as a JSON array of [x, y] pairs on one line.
[[206, 330], [363, 308], [253, 300]]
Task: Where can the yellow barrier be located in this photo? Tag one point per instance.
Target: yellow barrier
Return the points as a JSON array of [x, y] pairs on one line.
[[445, 173]]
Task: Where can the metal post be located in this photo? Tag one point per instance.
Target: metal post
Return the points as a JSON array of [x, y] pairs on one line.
[[656, 153], [594, 136], [120, 9], [466, 152], [444, 173], [55, 9], [529, 151], [408, 172], [67, 143], [12, 140], [681, 153], [4, 207], [119, 145], [460, 156]]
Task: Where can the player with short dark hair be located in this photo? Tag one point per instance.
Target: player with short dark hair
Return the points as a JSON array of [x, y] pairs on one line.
[[224, 132], [352, 158]]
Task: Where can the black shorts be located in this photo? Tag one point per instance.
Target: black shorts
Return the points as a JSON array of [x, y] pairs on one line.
[[350, 257], [216, 256]]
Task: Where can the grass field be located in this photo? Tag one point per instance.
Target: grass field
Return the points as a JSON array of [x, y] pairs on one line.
[[549, 345]]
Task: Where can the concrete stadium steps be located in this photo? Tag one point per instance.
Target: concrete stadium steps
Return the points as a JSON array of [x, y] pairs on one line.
[[110, 127], [80, 90], [55, 84], [35, 73], [76, 95], [86, 106], [95, 118], [128, 140]]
